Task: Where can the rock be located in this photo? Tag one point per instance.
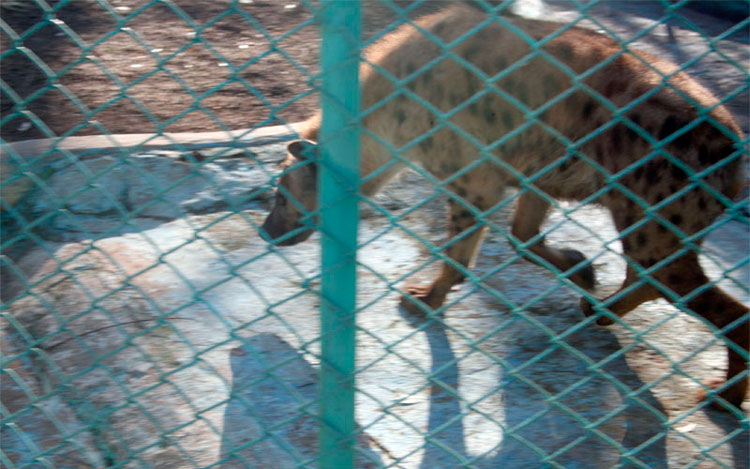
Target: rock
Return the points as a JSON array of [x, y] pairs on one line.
[[45, 426], [117, 190], [145, 364], [14, 187]]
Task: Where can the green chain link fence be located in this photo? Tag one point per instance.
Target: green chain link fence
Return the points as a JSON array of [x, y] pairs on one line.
[[146, 323]]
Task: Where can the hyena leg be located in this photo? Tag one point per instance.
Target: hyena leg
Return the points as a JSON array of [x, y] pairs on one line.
[[732, 318], [461, 225], [639, 247], [633, 291], [527, 220]]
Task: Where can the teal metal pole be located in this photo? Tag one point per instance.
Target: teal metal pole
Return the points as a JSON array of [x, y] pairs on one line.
[[338, 175]]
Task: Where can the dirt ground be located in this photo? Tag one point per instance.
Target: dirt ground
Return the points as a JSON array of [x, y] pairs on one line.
[[132, 66], [146, 67]]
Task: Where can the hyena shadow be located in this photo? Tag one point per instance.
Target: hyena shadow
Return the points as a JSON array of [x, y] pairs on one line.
[[271, 418], [555, 407], [559, 387]]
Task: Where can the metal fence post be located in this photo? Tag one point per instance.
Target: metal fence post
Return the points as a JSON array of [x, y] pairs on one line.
[[338, 176]]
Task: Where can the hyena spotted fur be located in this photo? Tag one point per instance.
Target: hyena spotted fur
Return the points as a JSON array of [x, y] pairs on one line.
[[619, 156]]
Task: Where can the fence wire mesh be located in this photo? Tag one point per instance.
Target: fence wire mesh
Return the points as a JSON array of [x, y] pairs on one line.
[[153, 316]]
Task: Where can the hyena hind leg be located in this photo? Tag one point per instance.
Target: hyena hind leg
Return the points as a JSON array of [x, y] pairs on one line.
[[635, 289], [529, 215], [648, 246], [464, 238], [730, 317], [628, 297]]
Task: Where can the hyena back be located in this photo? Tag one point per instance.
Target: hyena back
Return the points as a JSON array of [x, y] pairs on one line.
[[488, 114]]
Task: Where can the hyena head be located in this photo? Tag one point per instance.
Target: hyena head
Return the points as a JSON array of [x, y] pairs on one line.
[[296, 197]]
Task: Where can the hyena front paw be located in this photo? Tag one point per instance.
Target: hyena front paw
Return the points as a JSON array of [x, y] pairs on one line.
[[584, 277], [420, 296]]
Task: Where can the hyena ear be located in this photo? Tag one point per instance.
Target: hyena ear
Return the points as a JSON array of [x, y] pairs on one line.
[[302, 149]]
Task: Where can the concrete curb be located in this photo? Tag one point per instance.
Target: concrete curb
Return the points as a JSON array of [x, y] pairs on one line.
[[184, 141]]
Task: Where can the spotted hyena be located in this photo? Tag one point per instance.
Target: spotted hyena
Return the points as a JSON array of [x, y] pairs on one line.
[[579, 119]]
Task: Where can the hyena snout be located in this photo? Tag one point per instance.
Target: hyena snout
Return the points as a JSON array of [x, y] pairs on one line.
[[292, 218], [277, 226]]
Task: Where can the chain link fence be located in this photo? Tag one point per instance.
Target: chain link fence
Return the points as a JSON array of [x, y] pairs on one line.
[[153, 316]]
